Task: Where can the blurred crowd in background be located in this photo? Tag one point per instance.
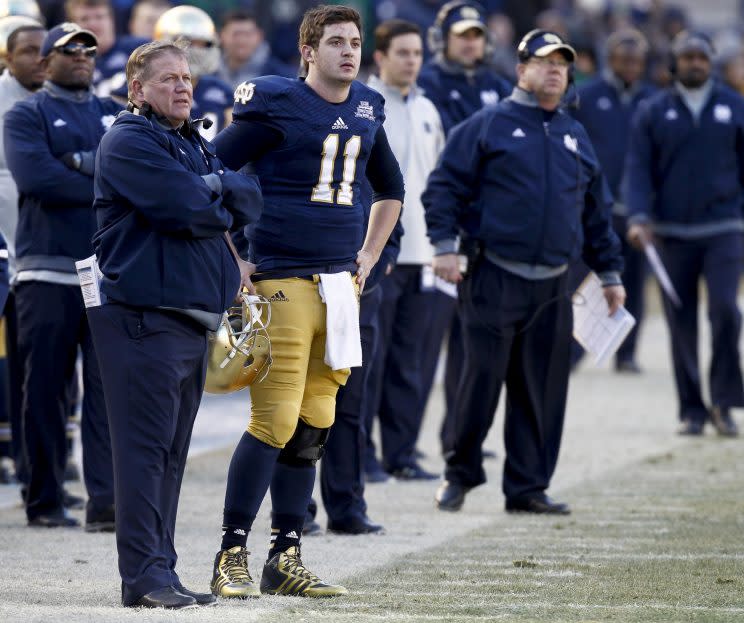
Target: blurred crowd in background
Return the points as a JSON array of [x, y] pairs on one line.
[[585, 23]]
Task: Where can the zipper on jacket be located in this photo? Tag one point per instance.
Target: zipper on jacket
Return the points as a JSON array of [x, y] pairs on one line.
[[541, 237]]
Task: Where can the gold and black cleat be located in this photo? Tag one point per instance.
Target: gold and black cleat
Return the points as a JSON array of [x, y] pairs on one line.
[[231, 577], [285, 574]]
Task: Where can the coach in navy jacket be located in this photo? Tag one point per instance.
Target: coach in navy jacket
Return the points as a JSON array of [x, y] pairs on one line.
[[685, 183], [606, 107], [165, 205], [50, 144], [529, 171]]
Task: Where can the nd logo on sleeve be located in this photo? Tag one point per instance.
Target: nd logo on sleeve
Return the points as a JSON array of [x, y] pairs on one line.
[[244, 93]]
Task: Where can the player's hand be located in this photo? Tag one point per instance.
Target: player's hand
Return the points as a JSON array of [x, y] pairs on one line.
[[639, 235], [366, 262], [246, 270], [447, 266], [615, 297]]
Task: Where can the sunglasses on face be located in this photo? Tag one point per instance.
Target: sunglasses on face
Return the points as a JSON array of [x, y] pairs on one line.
[[73, 49]]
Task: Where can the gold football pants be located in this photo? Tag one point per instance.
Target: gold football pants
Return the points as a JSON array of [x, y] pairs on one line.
[[299, 384]]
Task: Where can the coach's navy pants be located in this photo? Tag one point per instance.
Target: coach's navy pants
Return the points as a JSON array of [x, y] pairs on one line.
[[401, 375], [717, 259], [517, 332], [153, 366], [341, 470], [51, 325]]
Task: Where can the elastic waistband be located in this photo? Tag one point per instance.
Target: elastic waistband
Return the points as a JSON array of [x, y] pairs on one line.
[[303, 272]]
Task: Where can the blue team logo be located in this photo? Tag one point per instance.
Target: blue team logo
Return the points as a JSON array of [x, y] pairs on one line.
[[244, 93]]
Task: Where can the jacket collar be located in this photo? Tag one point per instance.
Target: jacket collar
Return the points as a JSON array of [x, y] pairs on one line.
[[71, 95]]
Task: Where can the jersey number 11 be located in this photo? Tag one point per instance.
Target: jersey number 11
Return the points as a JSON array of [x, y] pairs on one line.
[[323, 191]]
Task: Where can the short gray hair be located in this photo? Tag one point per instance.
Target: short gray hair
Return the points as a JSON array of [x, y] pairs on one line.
[[140, 61]]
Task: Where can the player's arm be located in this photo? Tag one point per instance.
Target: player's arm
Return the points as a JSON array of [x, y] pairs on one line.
[[246, 140], [386, 180]]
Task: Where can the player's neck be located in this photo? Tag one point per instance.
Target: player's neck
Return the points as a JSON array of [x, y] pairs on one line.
[[334, 92]]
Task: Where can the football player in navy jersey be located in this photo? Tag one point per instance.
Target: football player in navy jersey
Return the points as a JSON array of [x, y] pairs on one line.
[[311, 141]]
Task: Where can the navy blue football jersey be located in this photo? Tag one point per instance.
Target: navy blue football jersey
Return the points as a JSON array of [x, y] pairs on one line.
[[110, 71], [212, 97], [311, 180]]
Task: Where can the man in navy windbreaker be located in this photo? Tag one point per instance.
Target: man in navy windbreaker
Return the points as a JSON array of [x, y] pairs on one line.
[[50, 144], [606, 108], [529, 171], [684, 183], [459, 82], [165, 205]]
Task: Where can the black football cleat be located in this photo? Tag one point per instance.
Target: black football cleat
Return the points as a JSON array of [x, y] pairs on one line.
[[56, 519], [354, 525], [166, 597], [201, 599], [285, 574], [539, 503]]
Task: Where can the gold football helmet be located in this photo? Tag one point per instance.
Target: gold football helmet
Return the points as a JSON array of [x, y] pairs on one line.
[[189, 23], [28, 8], [240, 350]]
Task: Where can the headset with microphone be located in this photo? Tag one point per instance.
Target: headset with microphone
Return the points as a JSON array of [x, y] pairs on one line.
[[190, 125], [436, 37], [524, 54]]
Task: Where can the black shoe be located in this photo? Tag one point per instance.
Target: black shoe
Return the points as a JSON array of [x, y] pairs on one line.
[[311, 528], [201, 599], [72, 502], [166, 597], [450, 496], [723, 422], [627, 366], [539, 503], [57, 519], [72, 473], [355, 525], [99, 518], [412, 472], [376, 475], [691, 427]]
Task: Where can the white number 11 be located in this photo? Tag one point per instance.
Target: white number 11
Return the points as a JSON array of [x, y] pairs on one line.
[[323, 191]]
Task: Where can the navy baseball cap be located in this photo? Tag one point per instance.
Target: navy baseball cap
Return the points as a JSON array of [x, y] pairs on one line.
[[543, 43], [463, 19], [63, 34], [688, 41]]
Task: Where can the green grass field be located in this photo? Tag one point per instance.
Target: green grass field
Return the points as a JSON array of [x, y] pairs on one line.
[[661, 541]]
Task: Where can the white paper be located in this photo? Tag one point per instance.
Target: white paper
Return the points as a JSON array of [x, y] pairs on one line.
[[661, 273], [599, 333], [90, 281]]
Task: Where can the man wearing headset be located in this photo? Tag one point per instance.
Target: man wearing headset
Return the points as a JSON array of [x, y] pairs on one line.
[[528, 170], [683, 184], [459, 82]]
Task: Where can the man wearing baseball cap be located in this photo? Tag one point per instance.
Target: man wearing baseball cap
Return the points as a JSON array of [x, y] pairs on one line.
[[527, 172], [459, 81], [50, 143], [683, 186]]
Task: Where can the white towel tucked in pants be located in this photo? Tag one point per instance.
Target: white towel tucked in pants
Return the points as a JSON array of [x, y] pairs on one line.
[[343, 342]]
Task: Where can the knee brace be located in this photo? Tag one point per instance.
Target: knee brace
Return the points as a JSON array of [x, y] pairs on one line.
[[305, 447]]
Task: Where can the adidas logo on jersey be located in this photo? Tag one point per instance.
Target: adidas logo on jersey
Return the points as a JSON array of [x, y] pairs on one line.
[[279, 298], [339, 125], [292, 535]]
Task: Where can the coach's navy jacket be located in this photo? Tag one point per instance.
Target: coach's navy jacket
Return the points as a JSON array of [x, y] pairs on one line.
[[160, 240], [536, 184], [687, 174], [458, 93], [606, 113], [55, 218]]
